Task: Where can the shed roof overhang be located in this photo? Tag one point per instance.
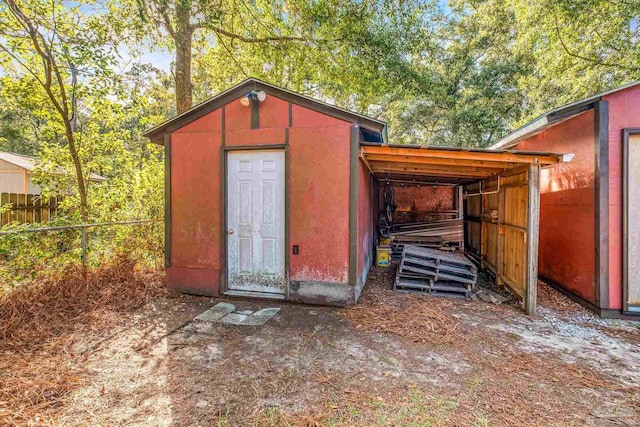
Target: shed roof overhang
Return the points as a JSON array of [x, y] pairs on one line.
[[448, 165], [554, 117], [368, 123]]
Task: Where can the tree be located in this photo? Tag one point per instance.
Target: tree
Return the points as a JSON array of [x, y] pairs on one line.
[[571, 49], [472, 93], [355, 54], [218, 21], [51, 43]]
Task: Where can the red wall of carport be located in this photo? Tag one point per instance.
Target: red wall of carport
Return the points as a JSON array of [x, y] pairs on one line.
[[567, 197], [624, 112], [319, 148], [366, 229]]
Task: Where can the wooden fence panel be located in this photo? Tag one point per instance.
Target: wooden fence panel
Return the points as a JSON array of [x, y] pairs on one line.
[[27, 208], [509, 232]]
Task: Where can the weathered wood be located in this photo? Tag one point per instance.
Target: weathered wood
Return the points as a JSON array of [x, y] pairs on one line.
[[438, 234], [442, 271], [27, 208], [533, 224], [510, 157], [500, 236], [438, 161]]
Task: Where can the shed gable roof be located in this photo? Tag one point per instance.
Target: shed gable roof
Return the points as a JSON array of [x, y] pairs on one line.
[[554, 117], [200, 110]]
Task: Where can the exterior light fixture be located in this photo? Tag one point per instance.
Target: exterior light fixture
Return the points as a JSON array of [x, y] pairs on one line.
[[254, 95]]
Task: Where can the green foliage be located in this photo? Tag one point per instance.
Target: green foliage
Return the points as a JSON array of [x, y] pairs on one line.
[[570, 49], [26, 256]]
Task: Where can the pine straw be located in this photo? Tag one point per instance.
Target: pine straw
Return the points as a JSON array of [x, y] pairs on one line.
[[406, 315], [553, 299], [508, 386], [511, 388], [38, 321]]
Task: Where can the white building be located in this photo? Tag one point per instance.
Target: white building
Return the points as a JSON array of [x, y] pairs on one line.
[[16, 174]]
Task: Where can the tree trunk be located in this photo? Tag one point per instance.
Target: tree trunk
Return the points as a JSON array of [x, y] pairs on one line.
[[182, 38], [82, 188]]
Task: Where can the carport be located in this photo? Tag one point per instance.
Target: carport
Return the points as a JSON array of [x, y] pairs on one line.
[[498, 196]]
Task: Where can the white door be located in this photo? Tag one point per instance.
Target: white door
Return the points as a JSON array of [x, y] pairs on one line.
[[632, 249], [255, 220]]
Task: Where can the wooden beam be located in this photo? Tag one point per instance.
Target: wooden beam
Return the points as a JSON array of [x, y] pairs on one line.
[[480, 172], [414, 172], [439, 161], [484, 171], [512, 157], [533, 227], [353, 205], [366, 162], [167, 199], [601, 220]]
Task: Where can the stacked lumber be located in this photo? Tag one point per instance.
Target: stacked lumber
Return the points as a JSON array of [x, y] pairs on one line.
[[426, 270], [443, 235]]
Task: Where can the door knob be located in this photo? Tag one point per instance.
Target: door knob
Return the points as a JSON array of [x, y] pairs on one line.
[[229, 231]]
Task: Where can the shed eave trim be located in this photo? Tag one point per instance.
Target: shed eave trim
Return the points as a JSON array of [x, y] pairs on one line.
[[556, 116], [521, 132], [198, 111]]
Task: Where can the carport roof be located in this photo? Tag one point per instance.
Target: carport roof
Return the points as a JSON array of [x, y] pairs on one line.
[[448, 164]]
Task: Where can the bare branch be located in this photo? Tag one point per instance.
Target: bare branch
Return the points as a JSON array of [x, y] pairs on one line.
[[242, 38], [584, 58]]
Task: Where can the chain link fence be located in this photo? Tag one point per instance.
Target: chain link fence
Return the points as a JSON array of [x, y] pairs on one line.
[[26, 253]]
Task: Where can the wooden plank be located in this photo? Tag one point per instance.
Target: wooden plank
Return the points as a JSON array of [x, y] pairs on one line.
[[513, 286], [398, 169], [365, 161], [439, 161], [511, 157], [420, 261], [434, 254], [459, 202], [419, 270], [533, 225]]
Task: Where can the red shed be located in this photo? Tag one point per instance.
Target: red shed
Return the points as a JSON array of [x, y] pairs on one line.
[[274, 195], [258, 196], [589, 227]]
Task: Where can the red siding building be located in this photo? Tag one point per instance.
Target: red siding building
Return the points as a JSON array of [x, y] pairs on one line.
[[588, 238], [256, 171]]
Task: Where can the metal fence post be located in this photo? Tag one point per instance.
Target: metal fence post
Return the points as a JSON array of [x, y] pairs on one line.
[[84, 252]]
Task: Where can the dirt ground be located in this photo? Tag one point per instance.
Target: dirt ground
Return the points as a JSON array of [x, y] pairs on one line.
[[393, 360]]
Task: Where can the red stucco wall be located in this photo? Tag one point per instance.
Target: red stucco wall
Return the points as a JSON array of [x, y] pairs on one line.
[[319, 204], [366, 230], [319, 148], [624, 112], [567, 195], [417, 204], [195, 201]]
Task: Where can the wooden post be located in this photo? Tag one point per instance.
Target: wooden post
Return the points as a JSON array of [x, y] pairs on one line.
[[483, 234], [459, 205], [533, 226], [25, 182], [500, 237]]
